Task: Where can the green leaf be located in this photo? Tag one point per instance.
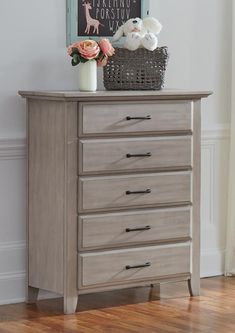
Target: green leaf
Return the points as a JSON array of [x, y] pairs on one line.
[[75, 60], [82, 60], [74, 63], [75, 50]]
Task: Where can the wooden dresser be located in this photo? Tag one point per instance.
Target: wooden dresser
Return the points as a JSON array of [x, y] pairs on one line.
[[113, 191]]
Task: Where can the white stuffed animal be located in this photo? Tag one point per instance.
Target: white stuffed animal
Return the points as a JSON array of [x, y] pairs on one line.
[[139, 33]]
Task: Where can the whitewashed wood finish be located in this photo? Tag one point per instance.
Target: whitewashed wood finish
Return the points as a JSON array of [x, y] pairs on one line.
[[103, 95], [52, 199], [110, 155], [105, 193], [70, 240], [110, 118], [108, 267], [109, 230], [55, 200], [46, 190]]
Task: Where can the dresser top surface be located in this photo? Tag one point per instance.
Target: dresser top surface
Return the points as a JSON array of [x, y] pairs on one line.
[[115, 95]]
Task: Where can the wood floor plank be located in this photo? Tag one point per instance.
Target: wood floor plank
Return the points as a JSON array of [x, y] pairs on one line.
[[138, 310]]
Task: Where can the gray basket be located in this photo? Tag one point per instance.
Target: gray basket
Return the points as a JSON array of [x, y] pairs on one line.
[[136, 70]]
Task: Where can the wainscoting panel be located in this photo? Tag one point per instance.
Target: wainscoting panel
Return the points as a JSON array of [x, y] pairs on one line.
[[215, 144], [215, 155]]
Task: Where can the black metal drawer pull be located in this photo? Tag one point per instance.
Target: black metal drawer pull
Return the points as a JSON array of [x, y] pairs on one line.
[[138, 229], [139, 155], [139, 118], [138, 192], [139, 266]]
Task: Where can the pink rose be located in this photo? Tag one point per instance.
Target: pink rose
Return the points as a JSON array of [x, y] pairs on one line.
[[106, 47], [88, 49], [70, 48], [102, 61]]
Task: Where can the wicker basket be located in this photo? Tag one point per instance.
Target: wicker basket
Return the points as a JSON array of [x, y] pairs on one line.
[[136, 70]]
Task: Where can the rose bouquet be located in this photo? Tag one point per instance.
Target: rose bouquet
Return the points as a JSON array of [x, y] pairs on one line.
[[86, 50]]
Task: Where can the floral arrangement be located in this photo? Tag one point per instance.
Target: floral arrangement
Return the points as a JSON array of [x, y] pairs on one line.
[[86, 50]]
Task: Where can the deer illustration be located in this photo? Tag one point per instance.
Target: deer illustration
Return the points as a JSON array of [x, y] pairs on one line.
[[90, 21]]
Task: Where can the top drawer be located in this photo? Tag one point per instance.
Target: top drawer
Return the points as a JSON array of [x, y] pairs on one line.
[[134, 118]]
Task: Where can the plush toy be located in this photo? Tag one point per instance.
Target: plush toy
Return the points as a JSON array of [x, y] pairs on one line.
[[139, 33]]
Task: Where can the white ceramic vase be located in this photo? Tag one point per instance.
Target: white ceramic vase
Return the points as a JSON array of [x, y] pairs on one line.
[[88, 76]]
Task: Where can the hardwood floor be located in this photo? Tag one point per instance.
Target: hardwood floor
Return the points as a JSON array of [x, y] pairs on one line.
[[135, 310]]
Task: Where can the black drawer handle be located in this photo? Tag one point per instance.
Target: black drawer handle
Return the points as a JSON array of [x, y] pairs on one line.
[[139, 155], [139, 118], [138, 229], [148, 264], [138, 192]]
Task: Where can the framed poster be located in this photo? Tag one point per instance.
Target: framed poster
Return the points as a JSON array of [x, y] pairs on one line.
[[101, 18]]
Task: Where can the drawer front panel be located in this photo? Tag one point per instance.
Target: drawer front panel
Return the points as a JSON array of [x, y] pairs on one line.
[[111, 118], [103, 193], [134, 227], [111, 267], [134, 154]]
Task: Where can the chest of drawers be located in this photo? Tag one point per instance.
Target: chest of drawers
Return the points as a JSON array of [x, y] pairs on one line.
[[113, 191]]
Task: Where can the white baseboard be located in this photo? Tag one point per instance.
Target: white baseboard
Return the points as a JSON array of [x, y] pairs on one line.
[[13, 275], [12, 289], [212, 262]]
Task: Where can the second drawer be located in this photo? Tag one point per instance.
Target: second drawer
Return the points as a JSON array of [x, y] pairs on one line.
[[112, 155], [120, 192], [134, 227]]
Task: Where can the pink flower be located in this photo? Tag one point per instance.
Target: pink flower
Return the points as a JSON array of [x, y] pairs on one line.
[[71, 47], [69, 50], [88, 49], [102, 61], [106, 47]]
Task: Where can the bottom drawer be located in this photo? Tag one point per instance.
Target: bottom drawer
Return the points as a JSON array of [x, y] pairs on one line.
[[120, 266]]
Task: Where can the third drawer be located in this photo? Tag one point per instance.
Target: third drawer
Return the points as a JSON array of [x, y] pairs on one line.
[[134, 227], [137, 191]]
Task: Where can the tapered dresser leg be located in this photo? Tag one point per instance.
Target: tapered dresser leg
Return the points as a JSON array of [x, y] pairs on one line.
[[32, 295], [194, 287], [70, 304]]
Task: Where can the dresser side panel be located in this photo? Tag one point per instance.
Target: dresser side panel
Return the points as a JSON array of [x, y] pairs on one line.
[[70, 226], [46, 179]]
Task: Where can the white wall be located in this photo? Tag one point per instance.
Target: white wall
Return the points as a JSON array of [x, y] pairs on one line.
[[198, 34], [33, 56], [230, 249]]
